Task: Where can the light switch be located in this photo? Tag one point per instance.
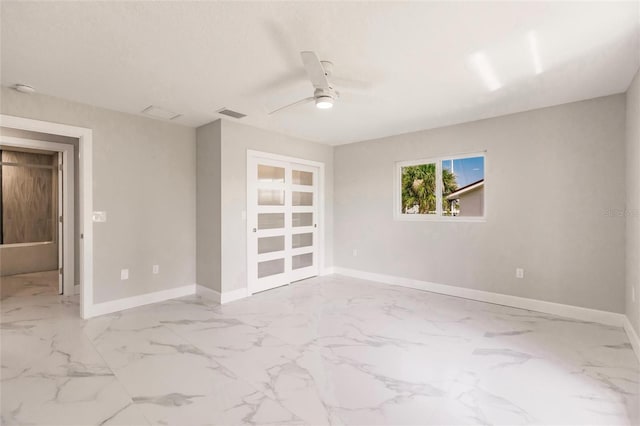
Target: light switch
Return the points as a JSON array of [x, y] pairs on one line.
[[99, 216], [124, 274]]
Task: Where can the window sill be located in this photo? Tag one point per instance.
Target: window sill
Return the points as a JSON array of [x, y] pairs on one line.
[[427, 218]]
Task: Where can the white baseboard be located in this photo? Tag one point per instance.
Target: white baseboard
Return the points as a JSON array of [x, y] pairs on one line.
[[207, 293], [230, 296], [216, 296], [140, 300], [569, 311], [633, 336]]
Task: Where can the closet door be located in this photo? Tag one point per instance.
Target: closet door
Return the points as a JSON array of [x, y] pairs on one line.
[[304, 218], [282, 223]]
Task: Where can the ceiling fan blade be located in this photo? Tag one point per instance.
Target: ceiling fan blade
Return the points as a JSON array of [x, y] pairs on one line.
[[300, 102], [315, 70]]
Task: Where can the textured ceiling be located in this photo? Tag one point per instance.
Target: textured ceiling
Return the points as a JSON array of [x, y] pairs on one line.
[[418, 58]]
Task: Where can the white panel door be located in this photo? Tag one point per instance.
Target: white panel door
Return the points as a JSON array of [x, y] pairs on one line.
[[282, 222]]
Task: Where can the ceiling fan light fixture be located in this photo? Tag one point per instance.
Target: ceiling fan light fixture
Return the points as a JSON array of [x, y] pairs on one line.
[[324, 102]]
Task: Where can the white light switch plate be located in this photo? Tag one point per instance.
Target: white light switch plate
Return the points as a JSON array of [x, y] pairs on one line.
[[99, 216], [124, 274]]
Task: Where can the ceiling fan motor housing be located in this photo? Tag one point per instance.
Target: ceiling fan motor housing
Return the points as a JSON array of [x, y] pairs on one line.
[[327, 93]]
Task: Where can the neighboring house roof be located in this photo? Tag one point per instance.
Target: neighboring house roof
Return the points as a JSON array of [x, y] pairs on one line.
[[471, 187]]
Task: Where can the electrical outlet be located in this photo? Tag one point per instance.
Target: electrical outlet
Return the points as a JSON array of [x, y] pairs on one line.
[[156, 269], [355, 252], [124, 274], [519, 273], [99, 216]]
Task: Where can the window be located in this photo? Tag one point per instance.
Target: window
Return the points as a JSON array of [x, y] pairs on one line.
[[444, 188]]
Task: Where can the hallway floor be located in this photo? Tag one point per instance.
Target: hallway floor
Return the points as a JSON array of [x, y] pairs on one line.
[[33, 284], [330, 350]]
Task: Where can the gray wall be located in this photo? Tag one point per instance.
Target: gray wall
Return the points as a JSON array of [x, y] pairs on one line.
[[208, 209], [633, 202], [550, 211], [144, 177], [236, 140], [551, 177]]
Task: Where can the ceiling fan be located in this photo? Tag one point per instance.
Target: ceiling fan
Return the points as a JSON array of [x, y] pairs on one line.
[[319, 72]]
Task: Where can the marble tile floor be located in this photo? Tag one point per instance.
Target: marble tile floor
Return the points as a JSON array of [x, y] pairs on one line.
[[33, 284], [330, 350]]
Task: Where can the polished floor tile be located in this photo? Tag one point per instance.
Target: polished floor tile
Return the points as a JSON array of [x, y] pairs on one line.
[[33, 284], [330, 350]]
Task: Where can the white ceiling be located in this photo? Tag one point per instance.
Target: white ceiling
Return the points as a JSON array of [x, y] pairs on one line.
[[196, 57]]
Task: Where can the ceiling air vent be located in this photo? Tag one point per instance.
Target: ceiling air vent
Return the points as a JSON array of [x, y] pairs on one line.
[[160, 113], [231, 113]]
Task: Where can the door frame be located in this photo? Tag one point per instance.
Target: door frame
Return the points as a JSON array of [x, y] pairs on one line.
[[321, 203], [61, 197], [85, 201], [67, 212]]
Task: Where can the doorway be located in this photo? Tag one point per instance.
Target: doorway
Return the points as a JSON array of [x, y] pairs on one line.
[[84, 201], [284, 220], [37, 216]]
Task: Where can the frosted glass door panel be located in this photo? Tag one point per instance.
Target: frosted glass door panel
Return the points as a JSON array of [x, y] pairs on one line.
[[270, 220], [270, 244], [302, 219], [270, 173], [270, 267], [302, 261], [301, 240], [302, 198], [301, 178], [271, 197]]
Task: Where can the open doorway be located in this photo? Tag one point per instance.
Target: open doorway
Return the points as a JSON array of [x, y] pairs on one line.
[[37, 210], [26, 130], [31, 203]]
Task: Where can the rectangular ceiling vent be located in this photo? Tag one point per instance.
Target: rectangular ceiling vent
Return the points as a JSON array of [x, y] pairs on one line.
[[231, 113], [160, 113]]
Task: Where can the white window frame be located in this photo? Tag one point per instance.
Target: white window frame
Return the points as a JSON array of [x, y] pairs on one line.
[[438, 217]]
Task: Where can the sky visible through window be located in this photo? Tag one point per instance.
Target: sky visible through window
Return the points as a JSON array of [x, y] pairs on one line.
[[467, 170]]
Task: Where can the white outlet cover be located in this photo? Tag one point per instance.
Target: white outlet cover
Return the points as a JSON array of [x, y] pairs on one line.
[[124, 274], [519, 273], [99, 216], [156, 269]]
